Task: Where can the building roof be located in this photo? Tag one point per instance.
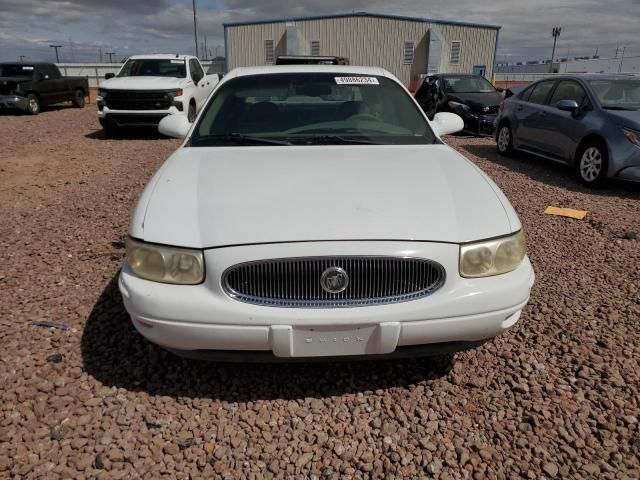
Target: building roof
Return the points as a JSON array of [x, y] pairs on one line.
[[363, 14]]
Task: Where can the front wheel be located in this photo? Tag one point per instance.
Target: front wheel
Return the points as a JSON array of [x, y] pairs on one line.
[[33, 105], [505, 140], [78, 98], [592, 164]]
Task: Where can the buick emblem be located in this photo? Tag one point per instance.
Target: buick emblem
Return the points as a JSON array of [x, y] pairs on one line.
[[334, 280]]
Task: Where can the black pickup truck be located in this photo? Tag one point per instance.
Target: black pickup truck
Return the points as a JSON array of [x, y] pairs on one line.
[[30, 86]]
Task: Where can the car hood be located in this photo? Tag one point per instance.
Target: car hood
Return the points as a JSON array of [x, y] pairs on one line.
[[477, 100], [626, 118], [143, 83], [212, 197]]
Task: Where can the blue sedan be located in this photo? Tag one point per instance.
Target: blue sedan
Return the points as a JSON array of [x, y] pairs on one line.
[[589, 122]]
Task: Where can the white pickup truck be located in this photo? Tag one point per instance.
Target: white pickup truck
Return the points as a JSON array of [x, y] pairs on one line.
[[150, 87]]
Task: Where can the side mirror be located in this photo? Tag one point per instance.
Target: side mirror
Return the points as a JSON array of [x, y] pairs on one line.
[[568, 105], [109, 75], [447, 123], [176, 126], [500, 89]]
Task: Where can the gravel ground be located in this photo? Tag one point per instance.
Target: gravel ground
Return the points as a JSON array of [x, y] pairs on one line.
[[555, 397]]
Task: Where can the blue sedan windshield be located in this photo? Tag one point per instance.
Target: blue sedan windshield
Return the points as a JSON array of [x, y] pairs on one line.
[[617, 94]]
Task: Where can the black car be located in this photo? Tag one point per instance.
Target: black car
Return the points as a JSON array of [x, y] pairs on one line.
[[472, 97], [30, 86]]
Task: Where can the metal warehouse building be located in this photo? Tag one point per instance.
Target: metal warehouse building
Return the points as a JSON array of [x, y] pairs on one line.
[[406, 46]]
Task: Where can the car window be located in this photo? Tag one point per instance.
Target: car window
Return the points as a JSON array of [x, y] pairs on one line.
[[568, 90], [16, 70], [151, 67], [308, 108], [467, 84], [197, 73], [618, 94], [540, 92]]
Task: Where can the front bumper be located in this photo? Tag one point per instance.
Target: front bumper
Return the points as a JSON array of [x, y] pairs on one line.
[[142, 118], [14, 101], [480, 124], [202, 319]]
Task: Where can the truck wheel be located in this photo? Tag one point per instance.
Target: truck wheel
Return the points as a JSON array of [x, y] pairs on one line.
[[191, 115], [78, 98], [33, 107]]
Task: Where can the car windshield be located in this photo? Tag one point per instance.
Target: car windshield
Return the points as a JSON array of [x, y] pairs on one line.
[[466, 84], [621, 94], [154, 68], [17, 70], [311, 108]]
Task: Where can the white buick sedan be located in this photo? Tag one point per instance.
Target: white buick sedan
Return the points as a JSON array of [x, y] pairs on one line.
[[314, 211]]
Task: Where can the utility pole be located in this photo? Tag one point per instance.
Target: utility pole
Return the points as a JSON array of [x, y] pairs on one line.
[[56, 47], [111, 54], [100, 54], [622, 59], [195, 26], [555, 33], [205, 46], [22, 57]]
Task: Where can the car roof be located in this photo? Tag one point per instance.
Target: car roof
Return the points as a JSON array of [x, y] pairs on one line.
[[342, 69], [448, 75], [590, 76], [162, 56], [28, 64]]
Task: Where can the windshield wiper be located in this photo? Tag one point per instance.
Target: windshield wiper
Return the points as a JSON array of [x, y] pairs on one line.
[[237, 138], [617, 107], [333, 139]]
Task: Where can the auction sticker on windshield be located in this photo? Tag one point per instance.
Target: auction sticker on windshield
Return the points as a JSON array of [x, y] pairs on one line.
[[357, 81]]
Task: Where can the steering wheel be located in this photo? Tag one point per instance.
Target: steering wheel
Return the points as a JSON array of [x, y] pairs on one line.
[[364, 116]]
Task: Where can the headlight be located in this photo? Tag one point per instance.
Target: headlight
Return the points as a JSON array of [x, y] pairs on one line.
[[165, 264], [176, 93], [633, 137], [458, 106], [102, 93], [492, 257]]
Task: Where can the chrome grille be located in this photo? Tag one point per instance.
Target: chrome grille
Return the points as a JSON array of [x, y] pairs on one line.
[[295, 282]]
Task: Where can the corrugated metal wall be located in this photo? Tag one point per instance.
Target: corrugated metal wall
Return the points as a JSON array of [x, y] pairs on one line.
[[367, 41]]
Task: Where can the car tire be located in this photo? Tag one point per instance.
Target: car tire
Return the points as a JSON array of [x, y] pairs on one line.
[[78, 98], [191, 114], [33, 105], [504, 139], [592, 164]]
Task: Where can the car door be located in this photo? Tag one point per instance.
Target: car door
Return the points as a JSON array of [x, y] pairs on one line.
[[529, 113], [199, 82], [46, 85], [564, 130]]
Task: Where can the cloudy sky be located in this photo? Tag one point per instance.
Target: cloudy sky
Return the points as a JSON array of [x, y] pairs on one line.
[[126, 27]]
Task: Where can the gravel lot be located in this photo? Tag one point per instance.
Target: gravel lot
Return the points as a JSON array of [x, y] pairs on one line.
[[558, 396]]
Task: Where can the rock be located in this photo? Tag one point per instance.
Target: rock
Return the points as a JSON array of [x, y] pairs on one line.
[[171, 449], [550, 469], [55, 358], [59, 431]]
